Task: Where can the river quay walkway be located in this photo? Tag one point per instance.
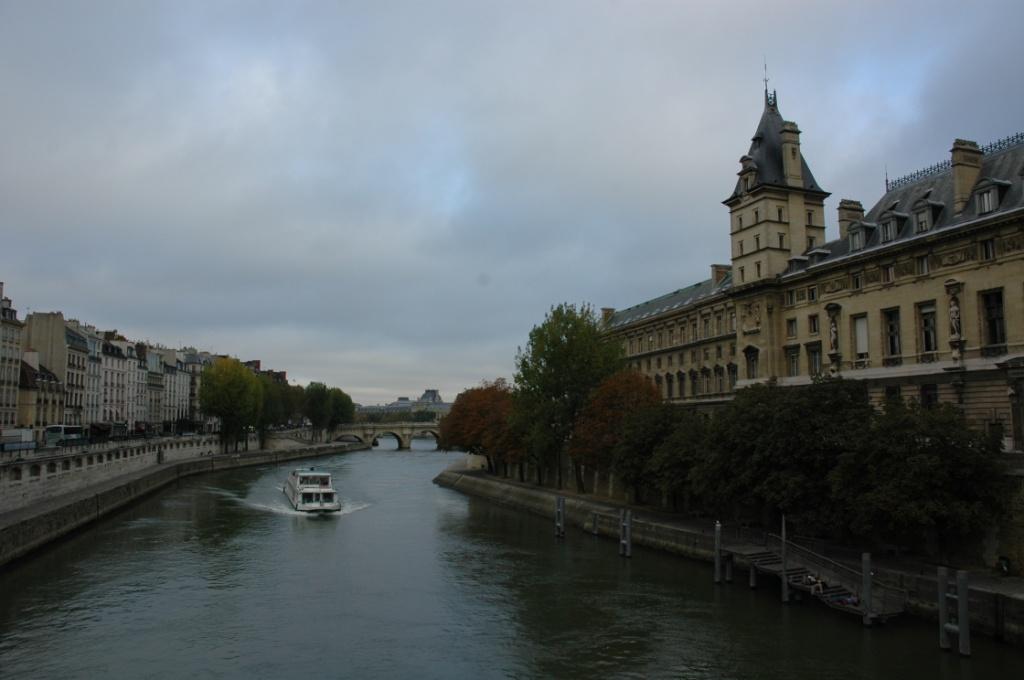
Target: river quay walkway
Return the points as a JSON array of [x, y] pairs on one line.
[[30, 528], [996, 602]]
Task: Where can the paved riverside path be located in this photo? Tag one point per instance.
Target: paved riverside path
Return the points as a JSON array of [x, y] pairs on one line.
[[981, 580], [48, 505]]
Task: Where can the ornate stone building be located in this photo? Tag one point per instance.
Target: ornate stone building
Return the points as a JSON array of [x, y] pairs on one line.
[[10, 360], [922, 295]]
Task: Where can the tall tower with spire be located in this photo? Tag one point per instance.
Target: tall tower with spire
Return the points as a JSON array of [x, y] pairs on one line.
[[777, 210]]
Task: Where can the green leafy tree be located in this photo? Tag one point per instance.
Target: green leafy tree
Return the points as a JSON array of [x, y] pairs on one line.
[[566, 357], [340, 408], [771, 449], [643, 430], [232, 393], [922, 479], [674, 459], [317, 407]]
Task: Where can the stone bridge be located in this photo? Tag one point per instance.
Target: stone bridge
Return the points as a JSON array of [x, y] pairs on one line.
[[368, 432]]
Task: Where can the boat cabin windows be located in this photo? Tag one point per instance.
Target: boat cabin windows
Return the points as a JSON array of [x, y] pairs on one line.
[[318, 480], [317, 498]]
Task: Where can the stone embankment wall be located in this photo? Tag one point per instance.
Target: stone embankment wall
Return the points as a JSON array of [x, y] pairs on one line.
[[48, 473], [56, 519], [992, 613]]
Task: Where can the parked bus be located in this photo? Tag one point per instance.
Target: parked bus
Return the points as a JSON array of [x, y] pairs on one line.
[[63, 435]]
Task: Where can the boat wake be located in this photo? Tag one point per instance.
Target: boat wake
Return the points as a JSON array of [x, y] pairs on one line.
[[347, 508]]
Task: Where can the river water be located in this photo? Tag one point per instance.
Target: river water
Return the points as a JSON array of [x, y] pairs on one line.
[[218, 577]]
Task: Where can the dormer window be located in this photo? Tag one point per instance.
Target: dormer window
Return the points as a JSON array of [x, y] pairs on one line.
[[986, 201], [856, 240], [922, 222], [888, 230]]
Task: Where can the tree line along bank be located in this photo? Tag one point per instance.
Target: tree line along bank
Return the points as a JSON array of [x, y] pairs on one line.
[[836, 466], [243, 400]]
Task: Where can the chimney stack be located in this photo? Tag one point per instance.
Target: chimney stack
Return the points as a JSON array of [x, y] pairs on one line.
[[791, 159], [966, 162], [850, 211], [718, 272]]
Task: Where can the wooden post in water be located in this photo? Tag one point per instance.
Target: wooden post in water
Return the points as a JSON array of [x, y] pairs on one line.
[[593, 523], [865, 590], [785, 575], [963, 617], [942, 579], [962, 627], [626, 533], [718, 552], [560, 517]]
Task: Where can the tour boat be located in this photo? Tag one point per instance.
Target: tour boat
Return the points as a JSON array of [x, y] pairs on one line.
[[311, 491]]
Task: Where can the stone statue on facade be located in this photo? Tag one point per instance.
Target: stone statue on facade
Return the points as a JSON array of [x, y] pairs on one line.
[[954, 318], [833, 334]]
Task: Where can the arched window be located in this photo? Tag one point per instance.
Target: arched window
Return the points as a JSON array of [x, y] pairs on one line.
[[34, 471]]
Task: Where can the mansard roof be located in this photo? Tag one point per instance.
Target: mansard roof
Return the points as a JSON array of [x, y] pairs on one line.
[[680, 299], [1002, 166], [765, 154]]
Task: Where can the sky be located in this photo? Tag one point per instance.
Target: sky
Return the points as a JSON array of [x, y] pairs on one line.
[[387, 196]]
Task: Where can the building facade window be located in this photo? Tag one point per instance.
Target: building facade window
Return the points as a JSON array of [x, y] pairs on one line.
[[891, 319], [986, 201], [921, 221], [757, 242], [791, 297], [856, 281], [782, 240], [929, 332], [780, 215], [860, 336], [757, 269], [814, 359], [790, 328], [921, 264], [810, 243], [888, 230], [793, 362], [988, 249], [812, 293], [751, 360], [810, 217], [856, 240], [888, 273], [812, 324], [992, 308], [929, 396]]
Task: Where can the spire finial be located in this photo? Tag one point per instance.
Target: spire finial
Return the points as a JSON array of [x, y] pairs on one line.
[[765, 59]]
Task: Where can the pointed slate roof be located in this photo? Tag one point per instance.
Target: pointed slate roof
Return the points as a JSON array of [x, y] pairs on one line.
[[766, 153]]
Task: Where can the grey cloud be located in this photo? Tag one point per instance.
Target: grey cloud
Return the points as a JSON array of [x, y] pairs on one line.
[[388, 195]]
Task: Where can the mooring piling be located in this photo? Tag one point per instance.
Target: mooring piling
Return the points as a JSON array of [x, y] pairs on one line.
[[626, 533]]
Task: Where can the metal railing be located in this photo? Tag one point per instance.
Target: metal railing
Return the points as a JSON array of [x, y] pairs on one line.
[[886, 599]]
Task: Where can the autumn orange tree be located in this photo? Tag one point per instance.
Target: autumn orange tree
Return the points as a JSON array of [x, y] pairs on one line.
[[478, 423], [598, 431]]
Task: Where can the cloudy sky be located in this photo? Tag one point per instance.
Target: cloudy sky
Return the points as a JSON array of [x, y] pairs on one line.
[[387, 196]]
